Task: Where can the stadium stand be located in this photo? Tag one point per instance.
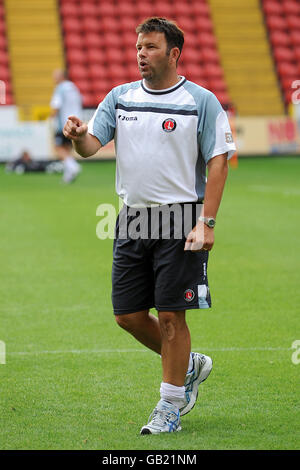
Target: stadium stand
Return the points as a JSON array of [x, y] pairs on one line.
[[6, 94], [35, 49], [95, 41], [97, 59], [245, 57], [283, 22]]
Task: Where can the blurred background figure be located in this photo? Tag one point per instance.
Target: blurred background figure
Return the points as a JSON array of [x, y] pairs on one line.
[[66, 101]]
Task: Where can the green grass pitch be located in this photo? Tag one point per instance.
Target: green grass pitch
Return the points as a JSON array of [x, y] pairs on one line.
[[74, 380]]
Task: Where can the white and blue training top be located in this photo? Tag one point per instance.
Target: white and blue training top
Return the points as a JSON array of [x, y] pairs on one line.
[[163, 140]]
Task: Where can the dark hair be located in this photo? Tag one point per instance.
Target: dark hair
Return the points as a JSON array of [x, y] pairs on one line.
[[173, 34]]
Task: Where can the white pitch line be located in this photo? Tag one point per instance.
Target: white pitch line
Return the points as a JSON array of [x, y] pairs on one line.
[[112, 351]]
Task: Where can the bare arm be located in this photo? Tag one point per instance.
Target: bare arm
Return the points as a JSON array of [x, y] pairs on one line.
[[202, 236], [84, 143]]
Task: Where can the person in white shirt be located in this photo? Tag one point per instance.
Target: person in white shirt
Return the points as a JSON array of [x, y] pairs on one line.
[[168, 131], [66, 100]]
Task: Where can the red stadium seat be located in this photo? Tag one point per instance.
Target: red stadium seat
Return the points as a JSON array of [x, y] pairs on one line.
[[4, 73], [212, 71], [276, 22], [76, 56], [72, 25], [69, 9], [133, 72], [293, 22], [200, 8], [217, 84], [97, 71], [109, 25], [3, 58], [182, 8], [194, 71], [187, 24], [2, 26], [162, 9], [111, 40], [130, 55], [78, 72], [127, 24], [2, 43], [295, 38], [297, 53], [206, 39], [89, 100], [1, 11], [291, 7], [272, 7], [93, 40], [203, 24], [191, 40], [74, 40], [115, 56], [83, 85], [284, 54], [107, 9], [90, 24], [287, 69], [100, 86], [128, 40], [126, 9], [223, 97], [279, 38], [96, 55], [144, 9], [88, 9], [117, 71], [191, 55], [210, 55]]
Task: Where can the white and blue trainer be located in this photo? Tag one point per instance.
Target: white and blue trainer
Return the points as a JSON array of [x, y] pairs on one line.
[[164, 418], [202, 366]]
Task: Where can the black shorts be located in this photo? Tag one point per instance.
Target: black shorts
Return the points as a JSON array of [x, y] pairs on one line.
[[153, 270], [61, 140]]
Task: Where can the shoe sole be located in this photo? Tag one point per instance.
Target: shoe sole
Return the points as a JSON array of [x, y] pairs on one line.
[[206, 370], [145, 431]]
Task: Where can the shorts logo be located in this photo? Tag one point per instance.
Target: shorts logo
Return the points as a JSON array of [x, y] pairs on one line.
[[169, 125], [189, 295]]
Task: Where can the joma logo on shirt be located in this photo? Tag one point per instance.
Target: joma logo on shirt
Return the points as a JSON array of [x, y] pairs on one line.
[[126, 118]]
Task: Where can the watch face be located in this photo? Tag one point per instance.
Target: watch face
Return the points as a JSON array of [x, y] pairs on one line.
[[211, 223]]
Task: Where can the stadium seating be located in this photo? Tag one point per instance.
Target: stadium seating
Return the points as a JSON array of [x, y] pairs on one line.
[[283, 22], [6, 96], [100, 38]]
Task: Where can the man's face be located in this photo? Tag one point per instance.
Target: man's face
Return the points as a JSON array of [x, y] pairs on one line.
[[153, 60]]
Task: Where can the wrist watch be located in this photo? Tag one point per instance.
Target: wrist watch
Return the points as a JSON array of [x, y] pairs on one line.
[[209, 221]]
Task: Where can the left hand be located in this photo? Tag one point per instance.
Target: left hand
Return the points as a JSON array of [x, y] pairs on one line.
[[201, 238]]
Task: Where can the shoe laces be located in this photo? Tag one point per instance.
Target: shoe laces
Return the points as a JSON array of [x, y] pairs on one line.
[[161, 417]]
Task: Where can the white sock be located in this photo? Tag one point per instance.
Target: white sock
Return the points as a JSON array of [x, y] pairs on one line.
[[173, 394], [70, 164]]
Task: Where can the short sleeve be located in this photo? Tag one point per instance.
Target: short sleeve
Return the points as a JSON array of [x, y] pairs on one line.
[[56, 100], [103, 123], [214, 133]]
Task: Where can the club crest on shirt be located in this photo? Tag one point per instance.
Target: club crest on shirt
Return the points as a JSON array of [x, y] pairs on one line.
[[169, 125], [228, 137], [189, 295]]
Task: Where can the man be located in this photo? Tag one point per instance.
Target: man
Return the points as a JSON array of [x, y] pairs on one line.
[[167, 130], [66, 100]]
